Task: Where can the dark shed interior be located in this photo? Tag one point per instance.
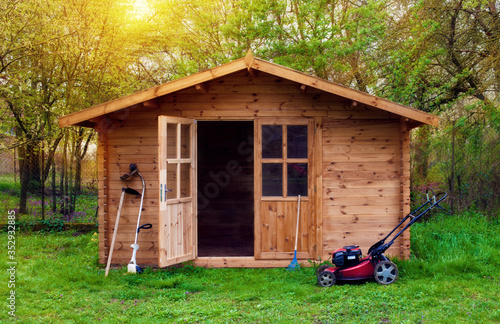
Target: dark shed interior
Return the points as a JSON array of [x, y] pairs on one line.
[[225, 188]]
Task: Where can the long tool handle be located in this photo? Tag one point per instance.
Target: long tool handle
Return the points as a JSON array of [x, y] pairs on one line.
[[117, 221], [297, 229], [140, 207]]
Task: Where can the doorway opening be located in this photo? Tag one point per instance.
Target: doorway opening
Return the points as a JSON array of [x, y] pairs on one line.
[[225, 188]]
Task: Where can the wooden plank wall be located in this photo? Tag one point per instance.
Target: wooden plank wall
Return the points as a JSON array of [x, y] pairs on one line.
[[241, 96], [405, 185], [133, 141], [102, 171], [361, 183]]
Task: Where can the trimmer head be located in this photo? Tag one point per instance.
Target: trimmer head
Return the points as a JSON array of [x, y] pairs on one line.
[[133, 170], [132, 266]]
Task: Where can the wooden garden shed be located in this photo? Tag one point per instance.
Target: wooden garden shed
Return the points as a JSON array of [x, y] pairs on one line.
[[236, 145]]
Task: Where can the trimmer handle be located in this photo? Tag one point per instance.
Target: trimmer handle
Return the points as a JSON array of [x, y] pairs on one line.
[[145, 226]]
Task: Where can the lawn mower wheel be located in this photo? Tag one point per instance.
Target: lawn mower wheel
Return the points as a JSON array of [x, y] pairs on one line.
[[326, 279], [385, 272]]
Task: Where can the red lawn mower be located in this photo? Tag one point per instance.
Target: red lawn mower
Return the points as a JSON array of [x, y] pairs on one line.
[[350, 265]]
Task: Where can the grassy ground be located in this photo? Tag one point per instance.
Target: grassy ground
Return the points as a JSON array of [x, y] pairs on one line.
[[454, 277]]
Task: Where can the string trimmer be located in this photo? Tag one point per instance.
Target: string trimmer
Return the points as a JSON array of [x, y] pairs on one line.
[[132, 265], [129, 191]]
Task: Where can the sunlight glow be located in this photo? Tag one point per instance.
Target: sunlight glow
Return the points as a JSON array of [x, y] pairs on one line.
[[140, 8]]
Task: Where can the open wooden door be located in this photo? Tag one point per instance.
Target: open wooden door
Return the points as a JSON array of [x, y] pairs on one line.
[[177, 190]]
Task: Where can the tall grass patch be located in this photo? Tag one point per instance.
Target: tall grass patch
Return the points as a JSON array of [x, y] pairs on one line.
[[458, 245]]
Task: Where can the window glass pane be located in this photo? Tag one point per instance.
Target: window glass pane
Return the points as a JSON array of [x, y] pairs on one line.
[[297, 141], [171, 181], [185, 180], [185, 141], [297, 179], [171, 141], [272, 179], [272, 141]]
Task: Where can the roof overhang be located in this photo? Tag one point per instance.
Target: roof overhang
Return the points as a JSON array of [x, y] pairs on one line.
[[87, 117]]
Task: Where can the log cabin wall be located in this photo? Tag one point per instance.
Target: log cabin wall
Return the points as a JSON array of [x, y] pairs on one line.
[[362, 195], [102, 202], [134, 140], [358, 195]]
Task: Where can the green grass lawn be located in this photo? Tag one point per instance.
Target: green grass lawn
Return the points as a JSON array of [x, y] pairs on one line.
[[454, 277]]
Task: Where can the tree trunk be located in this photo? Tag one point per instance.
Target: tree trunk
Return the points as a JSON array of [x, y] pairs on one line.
[[452, 176], [29, 171], [42, 183], [24, 178], [54, 196], [69, 186], [79, 156], [63, 173]]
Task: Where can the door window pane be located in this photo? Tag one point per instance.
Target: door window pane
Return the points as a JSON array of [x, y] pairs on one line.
[[185, 141], [171, 141], [171, 187], [185, 179], [272, 179], [297, 179], [297, 141], [272, 141]]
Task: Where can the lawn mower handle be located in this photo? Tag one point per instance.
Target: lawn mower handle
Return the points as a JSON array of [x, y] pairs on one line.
[[382, 241], [380, 247]]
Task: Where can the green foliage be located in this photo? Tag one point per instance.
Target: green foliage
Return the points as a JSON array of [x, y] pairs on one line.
[[332, 40], [9, 184], [474, 130], [22, 226], [52, 225]]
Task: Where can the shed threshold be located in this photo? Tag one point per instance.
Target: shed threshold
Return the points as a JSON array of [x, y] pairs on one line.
[[243, 262]]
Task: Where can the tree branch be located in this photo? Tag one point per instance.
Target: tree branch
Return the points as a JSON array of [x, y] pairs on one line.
[[18, 118], [50, 158]]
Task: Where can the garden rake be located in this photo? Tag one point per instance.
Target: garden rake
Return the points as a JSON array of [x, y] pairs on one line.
[[294, 265]]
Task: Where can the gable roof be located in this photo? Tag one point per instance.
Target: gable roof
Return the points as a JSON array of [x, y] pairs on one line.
[[249, 62]]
